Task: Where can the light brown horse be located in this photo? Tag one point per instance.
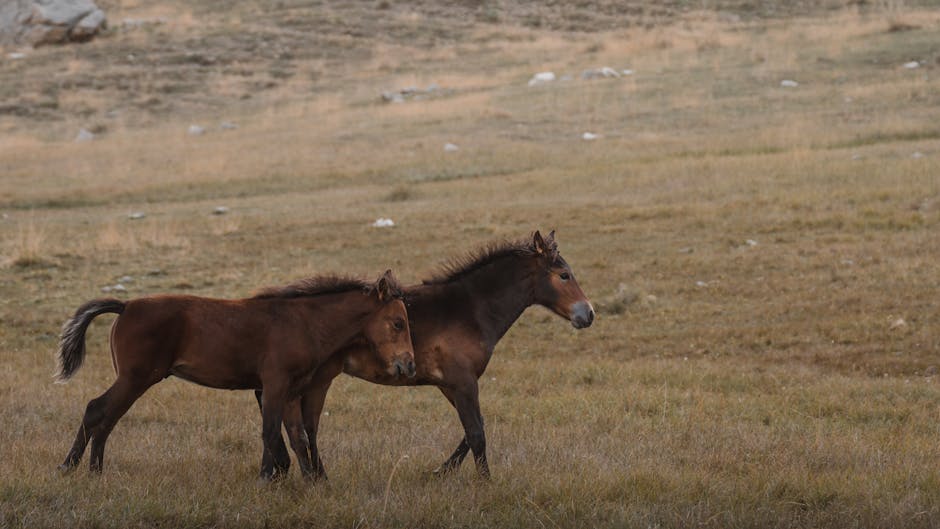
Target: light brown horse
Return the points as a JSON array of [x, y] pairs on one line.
[[274, 341], [457, 317]]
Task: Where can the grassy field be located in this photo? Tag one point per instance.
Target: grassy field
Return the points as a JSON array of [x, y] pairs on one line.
[[765, 260]]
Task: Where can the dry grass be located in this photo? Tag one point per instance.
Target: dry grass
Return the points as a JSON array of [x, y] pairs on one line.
[[789, 381]]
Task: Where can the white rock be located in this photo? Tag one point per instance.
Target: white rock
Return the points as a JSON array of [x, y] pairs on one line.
[[196, 130], [750, 242], [382, 222], [898, 323], [126, 279], [84, 135], [542, 77], [701, 284], [220, 210], [912, 65], [137, 215], [106, 289], [16, 55], [789, 83], [119, 288], [588, 136], [627, 71], [450, 147]]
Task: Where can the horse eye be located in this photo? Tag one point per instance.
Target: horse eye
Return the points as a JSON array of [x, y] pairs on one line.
[[564, 276], [399, 325]]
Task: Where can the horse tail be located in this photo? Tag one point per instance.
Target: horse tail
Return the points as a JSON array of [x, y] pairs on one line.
[[72, 342]]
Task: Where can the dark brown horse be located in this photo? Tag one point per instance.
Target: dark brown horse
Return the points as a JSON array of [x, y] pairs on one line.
[[457, 317], [274, 341]]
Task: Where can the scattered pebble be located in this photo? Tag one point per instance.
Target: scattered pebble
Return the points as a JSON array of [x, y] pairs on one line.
[[220, 210], [686, 249], [84, 135], [450, 147], [627, 71], [16, 55], [542, 77], [126, 279], [701, 284], [789, 83], [598, 73], [137, 215], [114, 288], [847, 262], [412, 92], [750, 242], [898, 323], [196, 130], [588, 136], [912, 65], [382, 222]]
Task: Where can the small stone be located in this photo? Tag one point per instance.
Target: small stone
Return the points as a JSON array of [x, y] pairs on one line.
[[450, 147], [789, 83], [588, 136], [196, 130], [84, 135], [126, 279], [912, 65], [137, 215], [16, 55], [898, 323], [542, 77], [627, 71], [686, 249], [917, 155], [701, 284], [750, 242], [119, 288], [383, 223], [106, 289], [220, 210]]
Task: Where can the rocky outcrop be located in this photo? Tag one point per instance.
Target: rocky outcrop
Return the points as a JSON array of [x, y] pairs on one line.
[[39, 22]]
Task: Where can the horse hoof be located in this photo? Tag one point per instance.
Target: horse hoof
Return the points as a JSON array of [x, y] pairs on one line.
[[65, 469]]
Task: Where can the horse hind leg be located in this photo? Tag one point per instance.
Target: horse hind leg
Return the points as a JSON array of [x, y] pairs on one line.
[[94, 413], [121, 397]]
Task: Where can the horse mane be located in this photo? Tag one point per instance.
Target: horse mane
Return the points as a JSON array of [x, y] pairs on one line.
[[322, 285], [462, 266]]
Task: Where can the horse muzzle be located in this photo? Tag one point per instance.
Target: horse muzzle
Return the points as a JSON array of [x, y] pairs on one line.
[[404, 367], [582, 315]]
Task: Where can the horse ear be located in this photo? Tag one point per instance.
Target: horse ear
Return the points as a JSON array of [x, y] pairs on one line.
[[384, 287], [551, 237], [539, 243]]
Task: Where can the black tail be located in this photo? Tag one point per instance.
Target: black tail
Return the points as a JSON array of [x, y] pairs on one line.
[[72, 342]]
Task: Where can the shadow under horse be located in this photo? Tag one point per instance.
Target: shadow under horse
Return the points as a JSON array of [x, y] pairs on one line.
[[457, 318], [273, 341]]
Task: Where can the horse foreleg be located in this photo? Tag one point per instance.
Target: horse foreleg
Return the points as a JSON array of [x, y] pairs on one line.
[[278, 457], [455, 459], [294, 424], [312, 405], [272, 413]]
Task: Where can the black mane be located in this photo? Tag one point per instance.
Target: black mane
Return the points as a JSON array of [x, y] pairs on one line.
[[462, 266], [315, 286]]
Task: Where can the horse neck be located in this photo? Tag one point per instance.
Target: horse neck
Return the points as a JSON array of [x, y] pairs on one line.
[[500, 293], [338, 318]]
